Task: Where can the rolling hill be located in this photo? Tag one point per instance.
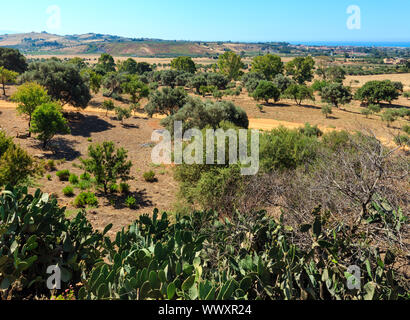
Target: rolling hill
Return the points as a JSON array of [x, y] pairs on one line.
[[45, 43]]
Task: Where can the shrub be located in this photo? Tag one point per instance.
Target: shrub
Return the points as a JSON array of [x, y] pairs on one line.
[[286, 149], [107, 164], [85, 176], [48, 121], [84, 199], [84, 184], [124, 188], [73, 178], [68, 191], [114, 188], [327, 110], [149, 176], [310, 131], [63, 175], [374, 108], [406, 129], [266, 90], [402, 140], [366, 112], [131, 202], [16, 166], [335, 139], [49, 177], [50, 165]]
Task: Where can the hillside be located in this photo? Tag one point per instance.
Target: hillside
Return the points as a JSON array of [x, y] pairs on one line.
[[45, 43]]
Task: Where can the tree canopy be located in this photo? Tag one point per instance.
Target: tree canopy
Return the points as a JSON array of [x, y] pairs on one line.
[[230, 64], [48, 121], [29, 96], [12, 59], [185, 64], [63, 82], [301, 69], [269, 65]]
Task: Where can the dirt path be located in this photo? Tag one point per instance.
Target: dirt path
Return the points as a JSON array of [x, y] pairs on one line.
[[263, 124]]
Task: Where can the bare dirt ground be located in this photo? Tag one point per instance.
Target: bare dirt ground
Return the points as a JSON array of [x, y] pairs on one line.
[[92, 126]]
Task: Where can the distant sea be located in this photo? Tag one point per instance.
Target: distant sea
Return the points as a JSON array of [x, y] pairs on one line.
[[403, 44]]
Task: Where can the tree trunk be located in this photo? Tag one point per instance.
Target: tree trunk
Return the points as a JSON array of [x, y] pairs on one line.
[[29, 126], [4, 89]]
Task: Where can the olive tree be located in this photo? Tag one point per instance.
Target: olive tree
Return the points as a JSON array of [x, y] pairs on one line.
[[107, 164], [48, 121], [63, 82], [336, 94], [29, 96]]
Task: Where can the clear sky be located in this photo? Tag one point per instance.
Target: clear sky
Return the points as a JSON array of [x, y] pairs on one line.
[[235, 20]]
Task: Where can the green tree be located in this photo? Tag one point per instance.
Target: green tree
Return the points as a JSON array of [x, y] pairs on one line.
[[143, 67], [136, 88], [122, 113], [335, 74], [48, 121], [105, 64], [107, 164], [301, 69], [197, 81], [390, 116], [129, 66], [29, 96], [199, 114], [166, 101], [269, 65], [63, 82], [12, 59], [185, 64], [266, 90], [95, 81], [299, 92], [113, 82], [169, 77], [108, 105], [78, 62], [15, 163], [327, 110], [230, 64], [376, 91], [7, 76], [336, 94]]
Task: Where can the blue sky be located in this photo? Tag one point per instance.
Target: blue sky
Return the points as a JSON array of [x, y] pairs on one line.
[[235, 20]]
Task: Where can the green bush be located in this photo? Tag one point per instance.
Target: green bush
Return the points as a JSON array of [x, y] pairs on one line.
[[16, 165], [63, 175], [131, 202], [124, 188], [86, 199], [310, 131], [406, 129], [149, 176], [68, 191], [85, 176], [402, 140], [73, 179], [286, 149], [49, 177], [113, 188], [84, 185]]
